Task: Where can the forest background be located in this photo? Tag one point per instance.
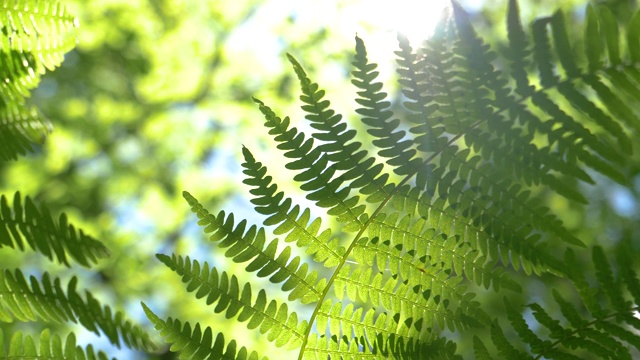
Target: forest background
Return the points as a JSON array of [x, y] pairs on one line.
[[156, 99]]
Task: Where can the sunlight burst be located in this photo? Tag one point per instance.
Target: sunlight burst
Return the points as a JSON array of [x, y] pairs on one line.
[[417, 24]]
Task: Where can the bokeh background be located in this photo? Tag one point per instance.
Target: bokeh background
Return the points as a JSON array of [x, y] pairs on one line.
[[157, 98]]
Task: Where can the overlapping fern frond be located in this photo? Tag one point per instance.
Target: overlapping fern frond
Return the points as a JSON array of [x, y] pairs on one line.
[[35, 36], [196, 344], [274, 320], [50, 347], [46, 300], [450, 198], [25, 223], [608, 331]]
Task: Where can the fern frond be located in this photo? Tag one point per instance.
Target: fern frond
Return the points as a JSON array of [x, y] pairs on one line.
[[381, 347], [611, 34], [35, 36], [13, 141], [494, 235], [24, 222], [524, 331], [578, 100], [358, 170], [605, 76], [605, 332], [40, 27], [47, 300], [626, 270], [504, 346], [20, 126], [427, 302], [480, 349], [610, 286], [570, 135], [492, 133], [274, 320], [51, 348], [196, 344], [490, 193], [248, 246], [376, 115], [348, 320], [289, 220], [317, 175], [416, 237]]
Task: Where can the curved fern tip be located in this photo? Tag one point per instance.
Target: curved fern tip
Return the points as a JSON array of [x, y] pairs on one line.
[[150, 314], [360, 48], [293, 61], [248, 156], [160, 256]]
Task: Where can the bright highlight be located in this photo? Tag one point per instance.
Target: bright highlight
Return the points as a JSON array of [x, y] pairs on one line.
[[416, 19]]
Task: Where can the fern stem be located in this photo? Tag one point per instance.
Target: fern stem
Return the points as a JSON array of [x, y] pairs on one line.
[[353, 244]]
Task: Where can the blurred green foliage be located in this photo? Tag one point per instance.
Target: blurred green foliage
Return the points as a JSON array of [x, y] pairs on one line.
[[156, 99]]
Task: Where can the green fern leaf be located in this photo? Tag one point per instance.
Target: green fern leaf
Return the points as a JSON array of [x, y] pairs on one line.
[[505, 348], [46, 300], [593, 41], [421, 102], [542, 57], [376, 115], [604, 274], [51, 348], [633, 39], [419, 238], [317, 174], [524, 331], [35, 36], [393, 347], [480, 350], [274, 320], [587, 293], [556, 330], [26, 223], [251, 246], [518, 53], [12, 142], [578, 100], [605, 335], [196, 344], [626, 271], [424, 303], [41, 27], [20, 127], [288, 219], [562, 45], [609, 27]]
